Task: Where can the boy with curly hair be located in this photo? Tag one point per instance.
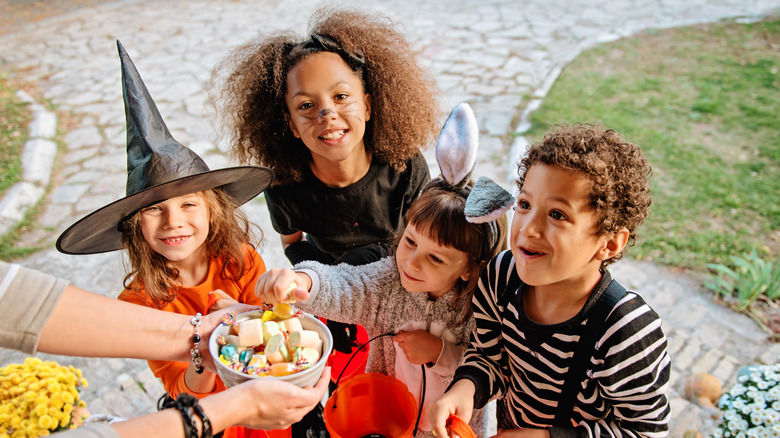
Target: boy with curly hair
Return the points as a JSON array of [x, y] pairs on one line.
[[563, 347]]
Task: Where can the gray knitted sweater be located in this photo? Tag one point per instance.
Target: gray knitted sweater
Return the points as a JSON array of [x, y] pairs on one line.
[[372, 295]]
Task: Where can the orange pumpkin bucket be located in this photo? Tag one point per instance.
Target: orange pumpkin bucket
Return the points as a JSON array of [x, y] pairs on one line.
[[371, 405]]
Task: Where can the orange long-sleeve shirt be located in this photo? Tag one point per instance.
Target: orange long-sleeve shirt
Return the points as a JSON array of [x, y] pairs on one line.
[[191, 300]]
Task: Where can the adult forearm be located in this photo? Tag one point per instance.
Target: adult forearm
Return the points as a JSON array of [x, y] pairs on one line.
[[167, 423], [87, 324]]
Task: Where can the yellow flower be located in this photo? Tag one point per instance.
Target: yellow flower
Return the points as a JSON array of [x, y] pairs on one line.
[[40, 410], [46, 422], [37, 398]]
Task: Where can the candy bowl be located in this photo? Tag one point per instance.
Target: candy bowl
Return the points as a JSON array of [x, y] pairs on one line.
[[285, 349]]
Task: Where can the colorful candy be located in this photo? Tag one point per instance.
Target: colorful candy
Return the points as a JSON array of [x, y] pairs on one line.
[[270, 345]]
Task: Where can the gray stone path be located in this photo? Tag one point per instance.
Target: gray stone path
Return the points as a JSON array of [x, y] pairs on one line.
[[490, 53]]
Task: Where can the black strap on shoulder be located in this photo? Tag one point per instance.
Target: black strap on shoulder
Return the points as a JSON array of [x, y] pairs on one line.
[[513, 282], [573, 383]]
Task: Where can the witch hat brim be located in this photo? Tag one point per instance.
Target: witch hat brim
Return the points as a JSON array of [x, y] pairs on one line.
[[159, 168], [99, 231]]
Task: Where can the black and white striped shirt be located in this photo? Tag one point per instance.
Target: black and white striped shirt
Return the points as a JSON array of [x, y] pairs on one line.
[[524, 364]]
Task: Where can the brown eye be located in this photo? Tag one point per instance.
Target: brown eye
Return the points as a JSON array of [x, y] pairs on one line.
[[557, 215]]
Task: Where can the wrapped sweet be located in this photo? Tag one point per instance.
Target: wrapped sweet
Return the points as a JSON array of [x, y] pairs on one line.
[[274, 344]]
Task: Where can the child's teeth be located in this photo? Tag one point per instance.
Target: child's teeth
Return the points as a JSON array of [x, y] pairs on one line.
[[333, 135]]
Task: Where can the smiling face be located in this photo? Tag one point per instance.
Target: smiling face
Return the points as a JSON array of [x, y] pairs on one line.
[[426, 266], [553, 237], [328, 108], [177, 228]]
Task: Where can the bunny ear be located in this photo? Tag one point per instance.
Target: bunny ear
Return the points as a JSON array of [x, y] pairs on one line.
[[487, 201], [456, 150]]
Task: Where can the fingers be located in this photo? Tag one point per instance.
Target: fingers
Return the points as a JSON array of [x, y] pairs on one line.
[[282, 285], [218, 303], [300, 294], [322, 384]]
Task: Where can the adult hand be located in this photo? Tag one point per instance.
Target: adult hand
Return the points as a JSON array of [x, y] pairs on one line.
[[268, 403], [419, 346], [282, 285], [459, 400]]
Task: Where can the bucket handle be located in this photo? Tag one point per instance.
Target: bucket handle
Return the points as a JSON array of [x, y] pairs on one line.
[[422, 396]]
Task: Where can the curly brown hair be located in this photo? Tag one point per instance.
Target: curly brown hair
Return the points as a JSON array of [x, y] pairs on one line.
[[438, 213], [248, 89], [229, 232], [619, 194]]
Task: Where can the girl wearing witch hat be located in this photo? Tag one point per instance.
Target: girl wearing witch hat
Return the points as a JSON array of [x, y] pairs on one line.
[[181, 225]]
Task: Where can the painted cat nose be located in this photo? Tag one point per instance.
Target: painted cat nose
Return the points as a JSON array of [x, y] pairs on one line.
[[325, 113]]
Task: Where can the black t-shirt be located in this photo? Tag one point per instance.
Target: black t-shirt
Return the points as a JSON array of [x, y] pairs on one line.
[[338, 219]]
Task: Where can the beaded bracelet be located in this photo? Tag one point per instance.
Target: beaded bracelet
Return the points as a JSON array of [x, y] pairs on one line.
[[190, 431], [204, 420], [194, 352]]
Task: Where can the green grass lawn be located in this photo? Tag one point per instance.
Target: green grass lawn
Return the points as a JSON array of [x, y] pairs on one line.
[[703, 102]]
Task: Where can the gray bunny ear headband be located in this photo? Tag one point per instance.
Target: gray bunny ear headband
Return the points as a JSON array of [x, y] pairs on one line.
[[456, 153]]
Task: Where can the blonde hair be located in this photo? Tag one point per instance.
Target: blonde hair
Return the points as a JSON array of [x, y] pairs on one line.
[[229, 232]]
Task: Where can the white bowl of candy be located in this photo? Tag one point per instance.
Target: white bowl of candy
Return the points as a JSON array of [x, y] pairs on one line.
[[276, 344]]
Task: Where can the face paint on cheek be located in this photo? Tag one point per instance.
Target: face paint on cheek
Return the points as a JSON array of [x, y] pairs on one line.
[[353, 108]]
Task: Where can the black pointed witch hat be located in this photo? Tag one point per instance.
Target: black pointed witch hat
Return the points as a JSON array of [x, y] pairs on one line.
[[158, 168]]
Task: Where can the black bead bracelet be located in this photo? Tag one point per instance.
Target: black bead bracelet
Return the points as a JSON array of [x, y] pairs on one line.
[[194, 352]]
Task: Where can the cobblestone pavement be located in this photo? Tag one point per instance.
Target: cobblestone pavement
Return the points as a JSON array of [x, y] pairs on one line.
[[493, 54]]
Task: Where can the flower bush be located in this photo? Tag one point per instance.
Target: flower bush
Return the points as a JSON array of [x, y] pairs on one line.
[[751, 409], [38, 398]]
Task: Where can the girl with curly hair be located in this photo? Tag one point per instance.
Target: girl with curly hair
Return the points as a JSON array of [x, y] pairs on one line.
[[340, 116]]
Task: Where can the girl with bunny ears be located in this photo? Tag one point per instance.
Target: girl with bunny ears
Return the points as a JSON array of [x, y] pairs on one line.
[[421, 294]]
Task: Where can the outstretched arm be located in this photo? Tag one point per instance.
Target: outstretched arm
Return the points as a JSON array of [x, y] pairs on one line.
[[87, 324], [247, 404]]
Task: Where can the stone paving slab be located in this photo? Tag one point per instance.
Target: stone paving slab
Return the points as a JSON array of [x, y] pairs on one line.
[[490, 53]]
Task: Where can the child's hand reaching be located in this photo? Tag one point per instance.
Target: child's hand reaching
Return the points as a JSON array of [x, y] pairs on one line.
[[459, 400], [276, 286], [419, 346]]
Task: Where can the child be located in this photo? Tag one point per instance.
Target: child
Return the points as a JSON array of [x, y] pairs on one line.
[[423, 291], [583, 193], [184, 233], [340, 116]]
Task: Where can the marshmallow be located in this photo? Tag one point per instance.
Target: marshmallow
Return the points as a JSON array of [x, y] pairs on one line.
[[305, 357], [276, 349], [291, 325], [304, 338], [250, 333], [270, 328]]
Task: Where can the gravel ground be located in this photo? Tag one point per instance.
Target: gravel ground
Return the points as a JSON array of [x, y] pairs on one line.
[[16, 13]]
